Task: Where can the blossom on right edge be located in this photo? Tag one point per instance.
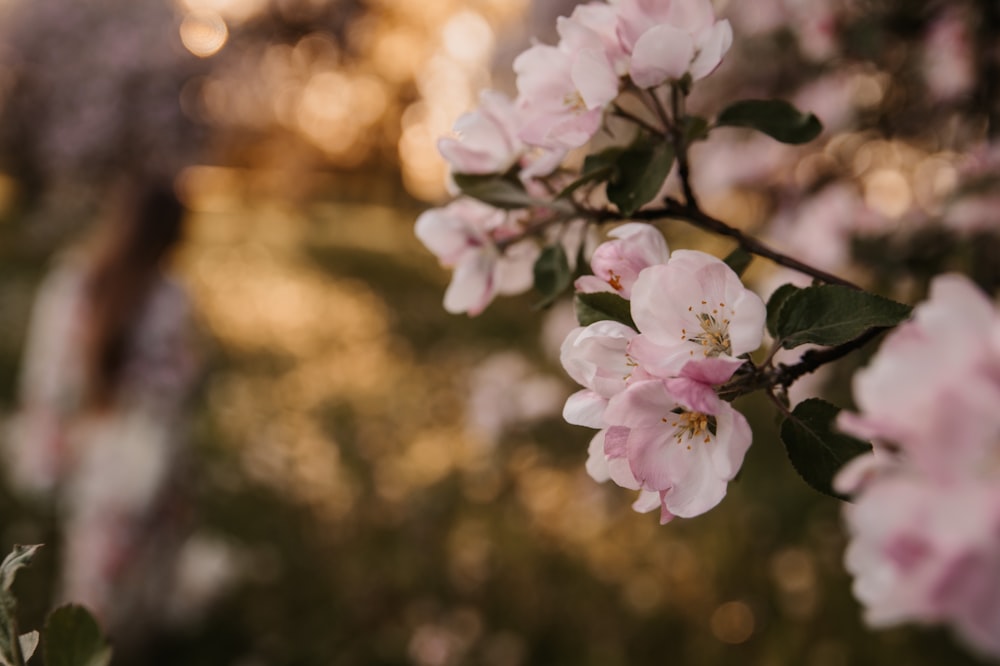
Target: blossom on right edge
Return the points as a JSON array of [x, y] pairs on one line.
[[925, 523]]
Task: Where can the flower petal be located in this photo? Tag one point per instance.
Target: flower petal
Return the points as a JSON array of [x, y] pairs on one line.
[[663, 52]]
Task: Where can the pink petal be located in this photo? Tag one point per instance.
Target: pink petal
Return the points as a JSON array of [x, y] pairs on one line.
[[471, 287], [585, 408], [597, 466], [713, 45], [711, 371], [732, 441], [594, 78], [693, 395], [663, 52], [616, 442]]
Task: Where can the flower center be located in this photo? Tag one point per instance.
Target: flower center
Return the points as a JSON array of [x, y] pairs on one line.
[[689, 425], [714, 336], [631, 364], [574, 102]]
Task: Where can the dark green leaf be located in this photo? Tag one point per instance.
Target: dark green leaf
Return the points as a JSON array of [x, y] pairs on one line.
[[739, 260], [602, 306], [774, 304], [72, 638], [599, 166], [816, 450], [640, 173], [774, 117], [831, 315], [552, 273], [496, 190], [694, 128]]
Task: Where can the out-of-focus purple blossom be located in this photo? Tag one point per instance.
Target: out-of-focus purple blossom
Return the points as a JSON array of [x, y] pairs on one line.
[[947, 56]]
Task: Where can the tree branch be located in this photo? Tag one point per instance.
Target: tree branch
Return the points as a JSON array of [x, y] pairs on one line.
[[694, 216]]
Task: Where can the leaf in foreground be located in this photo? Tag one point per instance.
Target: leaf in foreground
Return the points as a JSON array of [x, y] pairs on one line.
[[816, 450], [72, 638], [831, 315]]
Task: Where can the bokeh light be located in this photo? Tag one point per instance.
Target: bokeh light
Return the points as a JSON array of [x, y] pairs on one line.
[[204, 33]]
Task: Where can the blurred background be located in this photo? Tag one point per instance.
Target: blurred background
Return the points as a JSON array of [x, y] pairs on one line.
[[372, 481]]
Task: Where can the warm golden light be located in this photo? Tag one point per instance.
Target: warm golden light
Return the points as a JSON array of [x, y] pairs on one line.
[[204, 33], [467, 37], [233, 10], [887, 192]]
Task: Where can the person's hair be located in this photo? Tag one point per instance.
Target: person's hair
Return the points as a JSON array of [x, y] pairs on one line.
[[144, 224]]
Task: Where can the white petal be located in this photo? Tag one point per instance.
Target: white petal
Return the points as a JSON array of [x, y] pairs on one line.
[[713, 45], [663, 52]]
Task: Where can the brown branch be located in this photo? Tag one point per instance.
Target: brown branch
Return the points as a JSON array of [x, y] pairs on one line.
[[694, 216]]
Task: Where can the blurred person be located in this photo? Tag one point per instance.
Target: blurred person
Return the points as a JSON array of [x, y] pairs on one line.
[[109, 366]]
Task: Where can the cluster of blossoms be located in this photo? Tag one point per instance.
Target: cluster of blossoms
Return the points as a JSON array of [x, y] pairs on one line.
[[663, 430], [665, 337], [925, 526], [564, 94]]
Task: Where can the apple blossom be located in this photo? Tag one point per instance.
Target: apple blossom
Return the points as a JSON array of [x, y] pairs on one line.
[[925, 526], [463, 236], [679, 439], [563, 90], [692, 307], [667, 40], [486, 139], [597, 358], [933, 388], [617, 263], [928, 553]]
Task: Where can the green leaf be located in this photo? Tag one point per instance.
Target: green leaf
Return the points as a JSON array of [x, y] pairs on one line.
[[641, 170], [72, 638], [694, 128], [774, 304], [495, 190], [599, 166], [602, 306], [831, 315], [739, 260], [774, 117], [552, 273], [815, 449]]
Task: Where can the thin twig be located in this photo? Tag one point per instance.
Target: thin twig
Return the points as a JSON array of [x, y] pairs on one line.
[[642, 122], [812, 360], [694, 216], [680, 146]]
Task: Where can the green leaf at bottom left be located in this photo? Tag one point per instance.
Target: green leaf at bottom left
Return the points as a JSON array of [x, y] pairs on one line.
[[72, 638]]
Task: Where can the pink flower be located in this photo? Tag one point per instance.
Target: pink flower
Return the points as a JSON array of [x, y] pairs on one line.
[[667, 40], [693, 307], [487, 138], [597, 358], [925, 528], [948, 60], [616, 264], [563, 90], [462, 235], [679, 439], [934, 386], [928, 553]]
